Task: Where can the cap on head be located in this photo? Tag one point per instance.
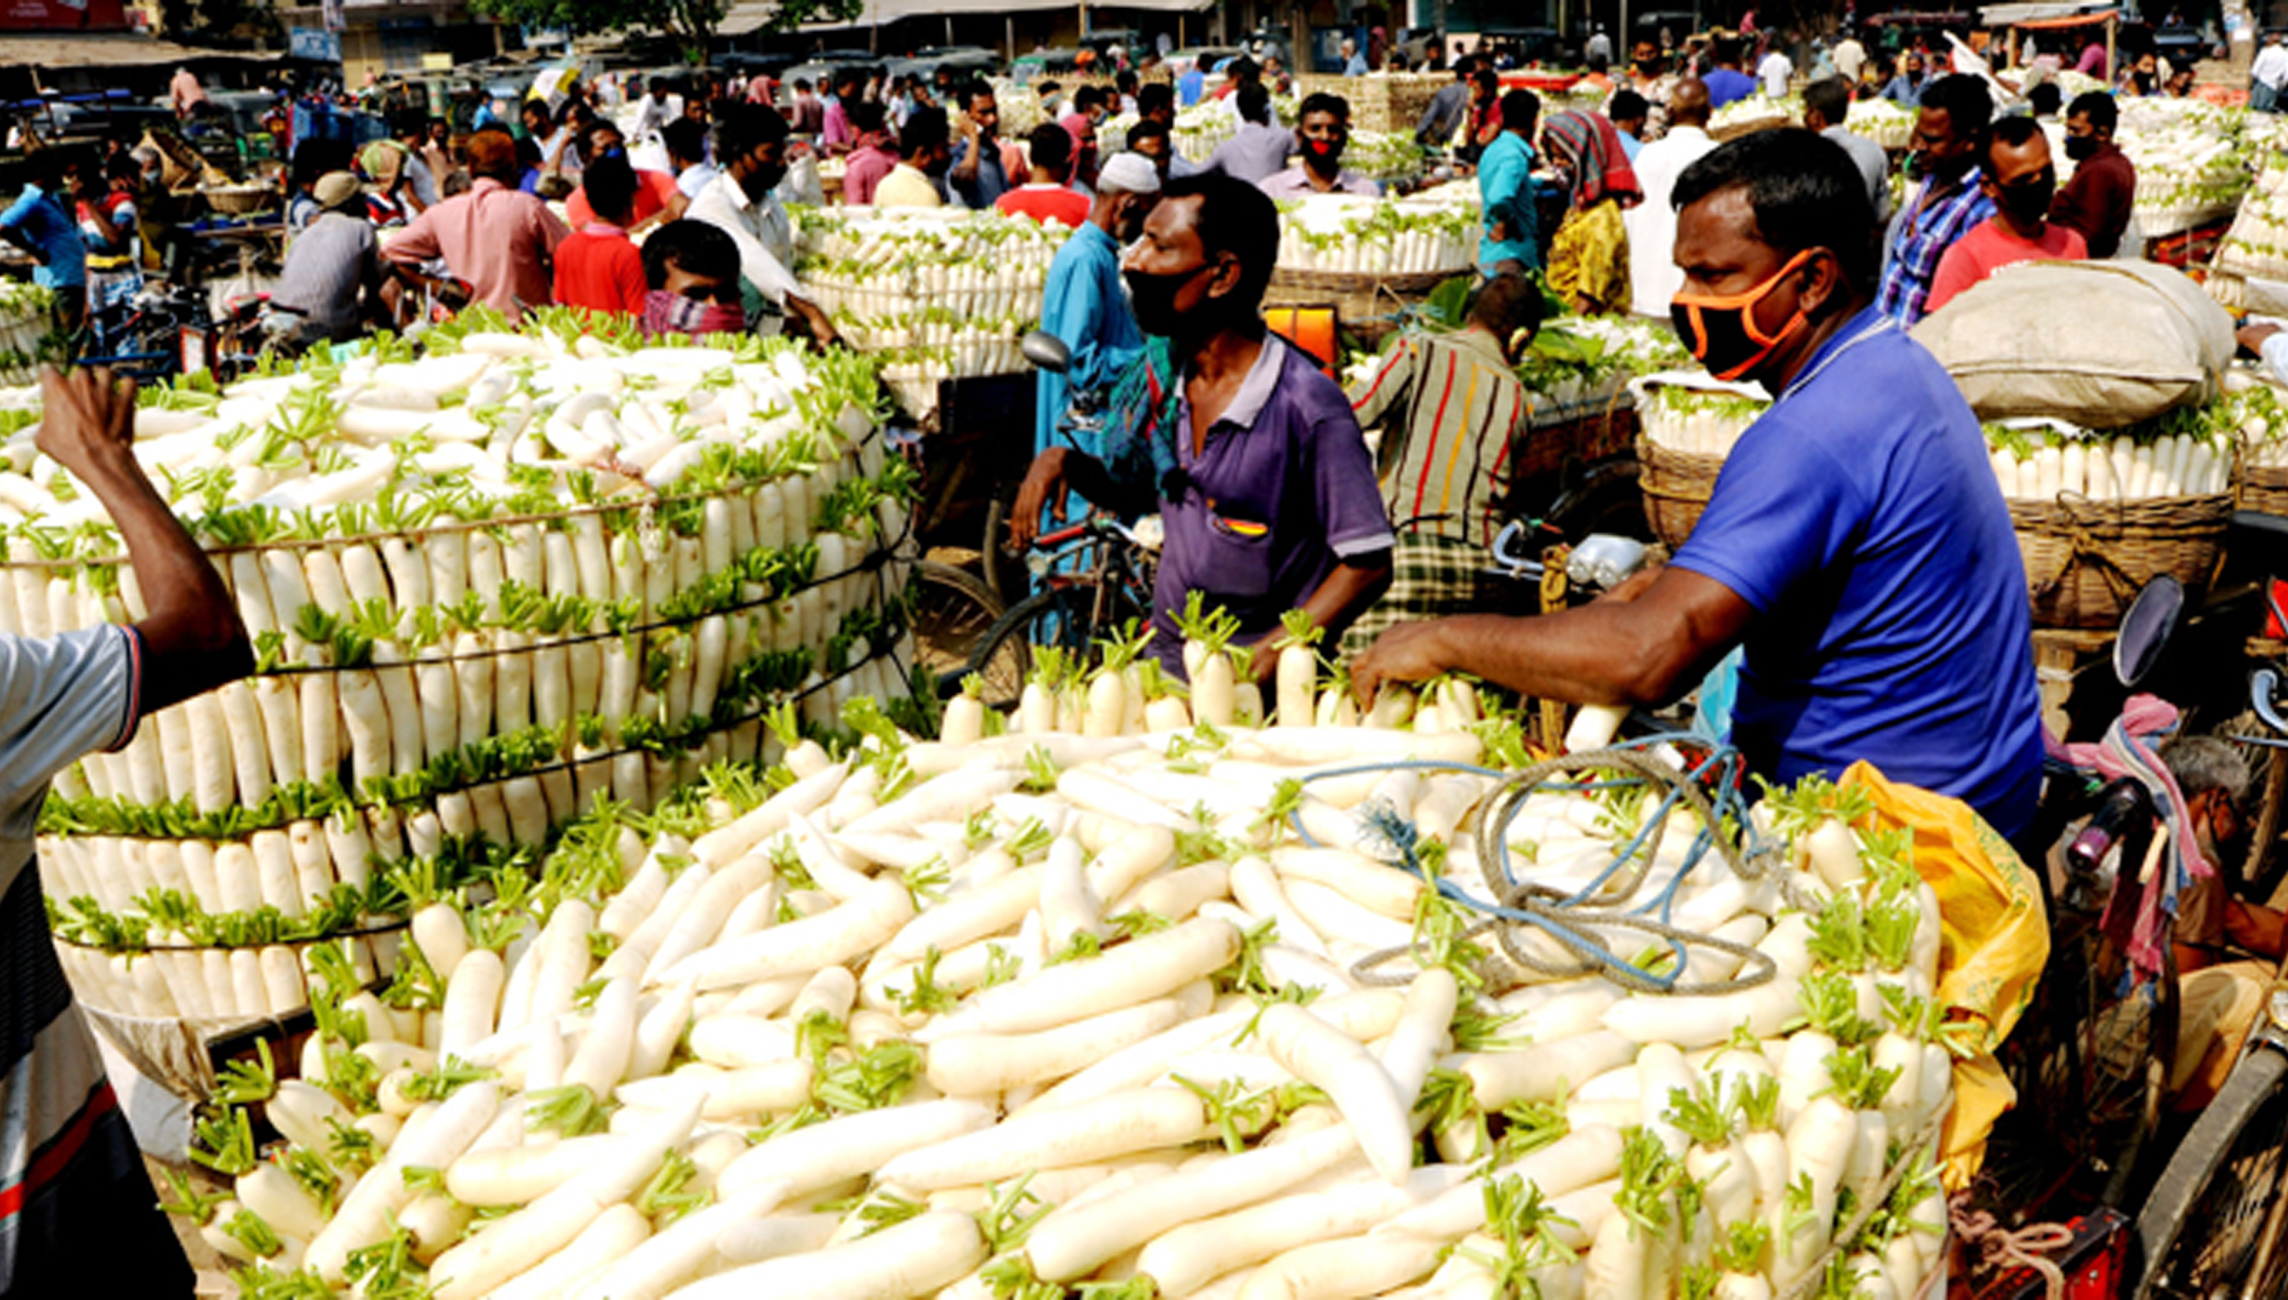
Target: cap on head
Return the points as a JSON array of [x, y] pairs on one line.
[[1130, 173], [336, 189]]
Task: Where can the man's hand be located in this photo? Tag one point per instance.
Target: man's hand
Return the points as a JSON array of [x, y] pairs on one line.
[[1263, 661], [87, 420], [1043, 488], [1408, 652], [815, 322], [2252, 337]]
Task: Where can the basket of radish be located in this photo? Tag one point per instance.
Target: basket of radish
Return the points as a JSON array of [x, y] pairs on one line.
[[1687, 423], [1173, 1013], [489, 583], [26, 320], [931, 295], [2263, 482], [2100, 514]]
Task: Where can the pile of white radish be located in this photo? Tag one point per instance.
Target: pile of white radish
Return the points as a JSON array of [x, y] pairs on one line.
[[1887, 124], [2192, 164], [486, 587], [2257, 244], [931, 295], [1703, 423], [1049, 1013], [1353, 235], [2041, 460], [25, 323]]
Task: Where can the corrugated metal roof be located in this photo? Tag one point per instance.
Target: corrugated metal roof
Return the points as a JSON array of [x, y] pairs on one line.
[[119, 51]]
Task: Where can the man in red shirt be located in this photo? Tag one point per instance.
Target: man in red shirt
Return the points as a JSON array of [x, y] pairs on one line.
[[1048, 196], [657, 198], [597, 266], [2098, 200], [2020, 180]]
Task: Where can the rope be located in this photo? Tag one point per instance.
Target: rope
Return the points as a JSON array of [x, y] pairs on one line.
[[2001, 1249], [1568, 920], [1815, 1278]]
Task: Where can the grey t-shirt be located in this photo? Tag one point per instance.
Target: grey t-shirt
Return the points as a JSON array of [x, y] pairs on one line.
[[325, 266], [1255, 155], [1873, 164], [61, 698]]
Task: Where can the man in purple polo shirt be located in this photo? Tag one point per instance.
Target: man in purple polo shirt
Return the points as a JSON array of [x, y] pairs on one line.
[[1262, 477]]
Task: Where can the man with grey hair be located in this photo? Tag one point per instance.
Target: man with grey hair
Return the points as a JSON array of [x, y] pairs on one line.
[[2220, 990], [1084, 303]]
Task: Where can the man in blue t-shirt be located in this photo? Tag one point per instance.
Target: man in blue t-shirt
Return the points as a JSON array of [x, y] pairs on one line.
[[1726, 82], [1856, 543], [41, 222]]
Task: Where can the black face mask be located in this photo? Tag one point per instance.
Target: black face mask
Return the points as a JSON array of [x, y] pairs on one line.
[[767, 179], [2028, 201], [2081, 148], [1153, 298]]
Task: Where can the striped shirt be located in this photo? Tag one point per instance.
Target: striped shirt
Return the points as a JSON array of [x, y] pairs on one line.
[[1927, 226], [1451, 405]]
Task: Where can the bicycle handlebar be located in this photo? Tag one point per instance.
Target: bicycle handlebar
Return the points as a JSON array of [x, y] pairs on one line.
[[2263, 684]]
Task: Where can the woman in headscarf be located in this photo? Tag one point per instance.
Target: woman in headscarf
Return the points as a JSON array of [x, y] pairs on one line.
[[1589, 256]]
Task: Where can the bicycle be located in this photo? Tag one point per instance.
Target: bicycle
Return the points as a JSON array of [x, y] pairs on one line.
[[2227, 1177], [1093, 577]]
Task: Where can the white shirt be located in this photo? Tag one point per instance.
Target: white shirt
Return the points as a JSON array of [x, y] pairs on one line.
[[761, 230], [1653, 276], [653, 115], [1774, 72], [1850, 57], [2271, 66]]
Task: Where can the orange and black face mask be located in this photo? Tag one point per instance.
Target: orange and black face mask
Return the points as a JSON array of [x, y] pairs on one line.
[[1721, 332]]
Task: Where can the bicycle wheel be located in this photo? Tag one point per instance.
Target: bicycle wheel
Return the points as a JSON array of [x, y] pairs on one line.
[[2090, 1065], [953, 611], [1004, 573], [1057, 616], [2200, 1230]]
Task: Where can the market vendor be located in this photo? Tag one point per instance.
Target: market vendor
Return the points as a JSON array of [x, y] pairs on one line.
[[1083, 303], [2099, 199], [1259, 473], [1947, 200], [1855, 544], [81, 1214]]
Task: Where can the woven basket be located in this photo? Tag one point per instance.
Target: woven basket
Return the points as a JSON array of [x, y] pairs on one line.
[[2264, 488], [1677, 485], [1366, 302], [237, 200], [2086, 560]]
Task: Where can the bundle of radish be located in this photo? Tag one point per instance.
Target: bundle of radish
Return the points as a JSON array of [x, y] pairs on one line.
[[26, 319], [2185, 454], [932, 295], [1701, 421], [1352, 235], [489, 583], [1223, 1011]]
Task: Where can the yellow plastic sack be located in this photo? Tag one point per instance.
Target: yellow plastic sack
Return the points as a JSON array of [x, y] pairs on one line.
[[1994, 941]]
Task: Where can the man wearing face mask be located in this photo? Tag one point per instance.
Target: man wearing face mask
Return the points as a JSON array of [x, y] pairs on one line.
[[1947, 199], [750, 148], [1083, 302], [1322, 132], [2098, 202], [1857, 548], [1259, 470], [2021, 181]]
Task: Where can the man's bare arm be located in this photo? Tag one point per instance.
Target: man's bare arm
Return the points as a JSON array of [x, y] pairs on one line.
[[1632, 652]]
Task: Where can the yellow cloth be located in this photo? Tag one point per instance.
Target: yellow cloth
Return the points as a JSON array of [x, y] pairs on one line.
[[2217, 1006], [1589, 259], [1994, 941]]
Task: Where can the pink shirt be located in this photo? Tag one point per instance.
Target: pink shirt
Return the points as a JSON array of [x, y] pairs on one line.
[[496, 238], [867, 168], [1988, 248]]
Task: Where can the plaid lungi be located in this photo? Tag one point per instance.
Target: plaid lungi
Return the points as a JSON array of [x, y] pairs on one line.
[[1430, 577]]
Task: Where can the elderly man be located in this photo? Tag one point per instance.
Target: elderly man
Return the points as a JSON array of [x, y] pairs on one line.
[[1084, 304], [495, 237], [82, 1216], [2019, 180], [1264, 482], [1835, 515], [331, 284], [750, 147], [1322, 132], [1354, 63], [1947, 199]]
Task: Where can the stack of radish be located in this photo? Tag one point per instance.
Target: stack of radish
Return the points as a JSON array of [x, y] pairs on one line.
[[24, 324], [487, 586], [1078, 1009], [2185, 454], [931, 295], [1350, 235], [1703, 421]]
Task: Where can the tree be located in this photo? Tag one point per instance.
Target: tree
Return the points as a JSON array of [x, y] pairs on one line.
[[691, 23]]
